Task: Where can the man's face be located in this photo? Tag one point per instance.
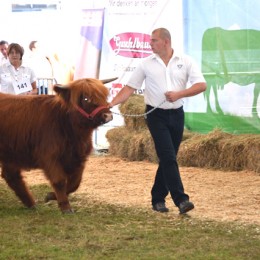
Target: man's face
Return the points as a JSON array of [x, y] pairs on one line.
[[3, 49], [157, 44]]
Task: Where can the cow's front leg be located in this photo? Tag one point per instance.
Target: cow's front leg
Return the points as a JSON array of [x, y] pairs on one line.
[[58, 180], [74, 180], [50, 196], [60, 188]]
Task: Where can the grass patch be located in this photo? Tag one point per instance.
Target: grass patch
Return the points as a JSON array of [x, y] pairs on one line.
[[102, 231]]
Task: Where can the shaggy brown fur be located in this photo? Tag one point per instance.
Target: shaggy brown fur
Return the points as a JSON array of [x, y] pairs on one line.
[[49, 133]]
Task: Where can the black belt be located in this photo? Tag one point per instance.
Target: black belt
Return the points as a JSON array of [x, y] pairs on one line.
[[148, 108]]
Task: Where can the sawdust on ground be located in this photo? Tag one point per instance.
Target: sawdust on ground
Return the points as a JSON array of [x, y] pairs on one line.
[[217, 195]]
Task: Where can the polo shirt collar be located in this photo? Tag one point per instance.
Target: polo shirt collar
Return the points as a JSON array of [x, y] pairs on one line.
[[8, 63], [174, 56]]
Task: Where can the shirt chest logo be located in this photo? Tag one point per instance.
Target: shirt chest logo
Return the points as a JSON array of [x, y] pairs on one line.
[[179, 66]]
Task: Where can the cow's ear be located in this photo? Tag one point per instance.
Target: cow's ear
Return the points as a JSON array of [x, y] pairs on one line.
[[62, 91]]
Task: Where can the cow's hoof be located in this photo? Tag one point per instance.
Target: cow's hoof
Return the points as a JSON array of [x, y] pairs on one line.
[[68, 211], [50, 196], [33, 207]]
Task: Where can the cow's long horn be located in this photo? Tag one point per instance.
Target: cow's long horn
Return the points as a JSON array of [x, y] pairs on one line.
[[104, 81]]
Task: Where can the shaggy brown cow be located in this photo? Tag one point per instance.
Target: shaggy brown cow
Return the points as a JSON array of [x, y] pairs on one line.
[[52, 133]]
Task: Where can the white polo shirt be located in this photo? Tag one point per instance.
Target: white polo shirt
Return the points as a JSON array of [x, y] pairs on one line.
[[180, 72], [9, 76], [3, 60]]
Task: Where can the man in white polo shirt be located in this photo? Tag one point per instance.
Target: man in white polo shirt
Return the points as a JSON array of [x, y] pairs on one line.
[[3, 50], [166, 75]]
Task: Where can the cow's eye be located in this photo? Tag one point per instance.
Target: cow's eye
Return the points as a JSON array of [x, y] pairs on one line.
[[86, 99]]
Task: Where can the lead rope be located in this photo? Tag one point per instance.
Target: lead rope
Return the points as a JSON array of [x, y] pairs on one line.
[[104, 149], [140, 115]]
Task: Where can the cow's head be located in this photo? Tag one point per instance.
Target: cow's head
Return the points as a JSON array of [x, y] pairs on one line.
[[88, 97]]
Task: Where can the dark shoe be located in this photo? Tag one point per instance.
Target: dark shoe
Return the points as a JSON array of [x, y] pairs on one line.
[[185, 206], [160, 207]]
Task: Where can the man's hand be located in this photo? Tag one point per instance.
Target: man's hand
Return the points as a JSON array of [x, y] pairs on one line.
[[172, 96], [109, 105]]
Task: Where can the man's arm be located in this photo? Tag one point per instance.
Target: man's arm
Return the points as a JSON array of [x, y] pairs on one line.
[[122, 96], [195, 89]]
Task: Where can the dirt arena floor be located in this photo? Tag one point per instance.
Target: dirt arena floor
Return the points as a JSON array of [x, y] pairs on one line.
[[217, 195]]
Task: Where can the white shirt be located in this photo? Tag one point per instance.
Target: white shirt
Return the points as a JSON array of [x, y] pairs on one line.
[[159, 78], [9, 76], [3, 60]]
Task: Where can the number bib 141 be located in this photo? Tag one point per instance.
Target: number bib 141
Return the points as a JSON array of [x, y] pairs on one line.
[[22, 86]]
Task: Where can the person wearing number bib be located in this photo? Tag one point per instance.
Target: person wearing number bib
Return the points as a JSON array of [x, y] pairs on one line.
[[15, 78]]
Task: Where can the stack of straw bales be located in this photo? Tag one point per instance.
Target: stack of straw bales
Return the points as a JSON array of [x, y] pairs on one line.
[[216, 149]]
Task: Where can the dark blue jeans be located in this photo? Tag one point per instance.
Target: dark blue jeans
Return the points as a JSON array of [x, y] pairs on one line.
[[166, 128]]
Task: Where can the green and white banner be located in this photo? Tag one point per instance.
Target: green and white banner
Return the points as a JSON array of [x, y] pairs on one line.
[[224, 37]]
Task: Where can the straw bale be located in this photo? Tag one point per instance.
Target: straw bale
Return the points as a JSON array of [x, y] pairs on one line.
[[119, 139], [217, 149], [131, 111], [200, 150], [134, 145], [221, 150], [131, 145], [240, 152]]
